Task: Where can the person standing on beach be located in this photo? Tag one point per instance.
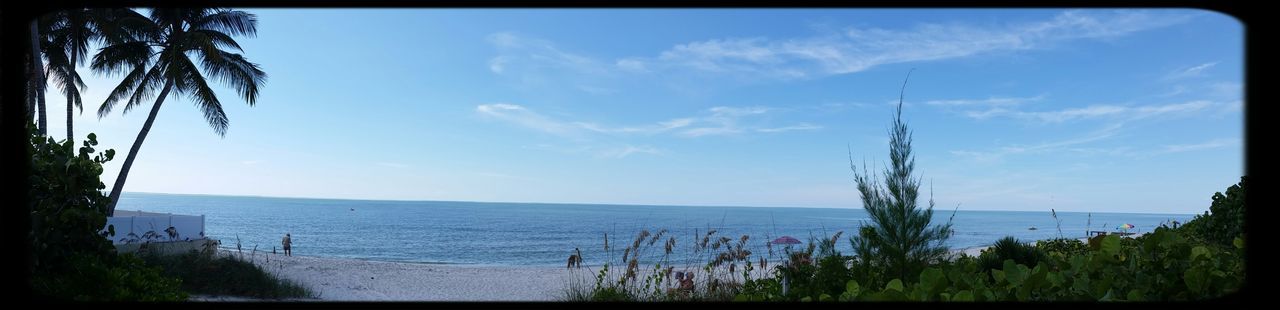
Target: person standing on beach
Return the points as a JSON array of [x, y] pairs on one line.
[[287, 242]]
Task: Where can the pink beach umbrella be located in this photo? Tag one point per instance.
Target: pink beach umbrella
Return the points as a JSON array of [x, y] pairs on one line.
[[788, 240]]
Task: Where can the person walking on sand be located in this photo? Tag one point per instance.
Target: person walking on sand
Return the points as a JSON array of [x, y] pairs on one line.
[[287, 242]]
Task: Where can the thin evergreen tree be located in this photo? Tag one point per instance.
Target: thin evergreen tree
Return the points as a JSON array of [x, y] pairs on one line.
[[900, 239]]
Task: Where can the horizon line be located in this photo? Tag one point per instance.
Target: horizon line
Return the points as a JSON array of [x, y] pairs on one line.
[[606, 204]]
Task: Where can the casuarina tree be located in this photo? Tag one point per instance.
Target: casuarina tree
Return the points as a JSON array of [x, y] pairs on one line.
[[899, 239]]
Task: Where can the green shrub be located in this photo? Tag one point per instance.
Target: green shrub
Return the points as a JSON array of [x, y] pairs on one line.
[[1062, 246], [1225, 219], [70, 260], [1009, 248]]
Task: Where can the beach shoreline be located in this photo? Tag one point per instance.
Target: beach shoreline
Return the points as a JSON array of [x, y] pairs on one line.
[[350, 279], [343, 279]]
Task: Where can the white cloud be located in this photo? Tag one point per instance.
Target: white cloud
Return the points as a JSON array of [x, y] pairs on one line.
[[721, 121], [597, 90], [622, 152], [496, 64], [524, 117], [1216, 143], [1000, 152], [631, 65], [532, 53], [1192, 71], [857, 49], [1227, 90], [1101, 111], [801, 126], [990, 101]]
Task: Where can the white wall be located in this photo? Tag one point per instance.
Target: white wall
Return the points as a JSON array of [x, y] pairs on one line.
[[188, 227]]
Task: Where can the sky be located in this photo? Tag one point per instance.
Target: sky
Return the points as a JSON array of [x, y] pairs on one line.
[[1011, 109]]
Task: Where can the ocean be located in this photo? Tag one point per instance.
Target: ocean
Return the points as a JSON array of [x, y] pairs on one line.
[[538, 234]]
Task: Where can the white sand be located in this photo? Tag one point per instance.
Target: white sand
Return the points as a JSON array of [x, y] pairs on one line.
[[360, 280]]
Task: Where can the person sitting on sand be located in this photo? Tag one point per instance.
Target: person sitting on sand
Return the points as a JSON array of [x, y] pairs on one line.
[[287, 242]]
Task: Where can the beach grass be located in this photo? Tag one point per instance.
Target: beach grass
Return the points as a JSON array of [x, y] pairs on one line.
[[206, 274]]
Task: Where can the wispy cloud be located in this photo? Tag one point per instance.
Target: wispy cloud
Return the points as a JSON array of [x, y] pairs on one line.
[[1192, 71], [1101, 111], [524, 117], [858, 49], [842, 51], [624, 151], [1226, 90], [990, 101], [723, 121], [801, 126], [1216, 143], [524, 51], [719, 120], [1000, 152], [602, 151]]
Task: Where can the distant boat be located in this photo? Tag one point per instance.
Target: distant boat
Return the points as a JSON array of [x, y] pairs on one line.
[[353, 209], [1032, 228]]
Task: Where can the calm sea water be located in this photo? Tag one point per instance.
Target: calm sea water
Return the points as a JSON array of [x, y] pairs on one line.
[[546, 234]]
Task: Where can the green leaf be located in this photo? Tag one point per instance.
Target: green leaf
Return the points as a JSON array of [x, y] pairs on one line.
[[1135, 295], [824, 297], [806, 299], [741, 297], [1195, 278], [1013, 272], [1238, 242], [1110, 245], [964, 295], [852, 288], [1199, 251], [998, 275], [895, 285], [932, 279]]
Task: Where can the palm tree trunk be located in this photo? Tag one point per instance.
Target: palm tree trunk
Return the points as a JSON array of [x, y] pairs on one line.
[[71, 133], [38, 73], [30, 91], [133, 151]]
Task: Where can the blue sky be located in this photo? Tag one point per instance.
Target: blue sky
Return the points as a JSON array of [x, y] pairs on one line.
[[1076, 110]]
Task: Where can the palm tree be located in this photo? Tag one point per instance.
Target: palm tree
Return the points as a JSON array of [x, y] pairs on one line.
[[66, 40], [901, 241], [157, 56], [36, 83], [66, 46]]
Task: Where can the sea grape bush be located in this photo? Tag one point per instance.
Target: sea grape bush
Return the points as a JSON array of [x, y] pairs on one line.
[[1161, 266]]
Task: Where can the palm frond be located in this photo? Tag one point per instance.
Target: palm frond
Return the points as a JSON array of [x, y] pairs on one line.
[[214, 38], [233, 22], [114, 59], [130, 82], [237, 72], [197, 88], [148, 84]]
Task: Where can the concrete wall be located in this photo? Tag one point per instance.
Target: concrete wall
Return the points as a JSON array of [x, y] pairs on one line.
[[188, 227]]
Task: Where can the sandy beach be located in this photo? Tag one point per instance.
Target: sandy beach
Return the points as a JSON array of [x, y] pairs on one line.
[[335, 279]]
